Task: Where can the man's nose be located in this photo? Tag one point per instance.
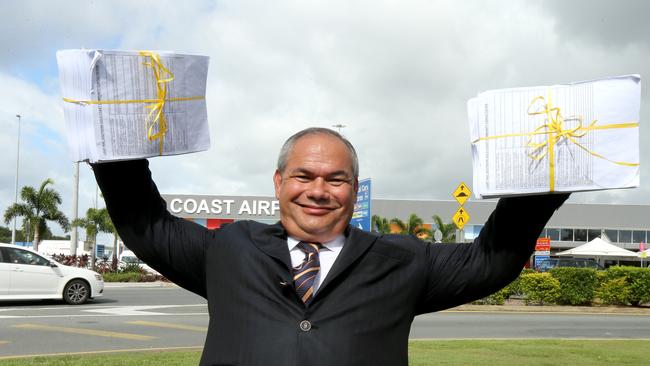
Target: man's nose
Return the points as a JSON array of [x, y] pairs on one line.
[[318, 189]]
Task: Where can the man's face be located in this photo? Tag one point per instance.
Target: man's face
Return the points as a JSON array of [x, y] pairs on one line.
[[317, 189]]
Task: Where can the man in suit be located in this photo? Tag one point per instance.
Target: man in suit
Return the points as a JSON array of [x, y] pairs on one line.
[[312, 290]]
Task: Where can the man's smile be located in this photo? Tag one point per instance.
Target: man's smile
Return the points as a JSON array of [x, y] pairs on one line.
[[314, 209]]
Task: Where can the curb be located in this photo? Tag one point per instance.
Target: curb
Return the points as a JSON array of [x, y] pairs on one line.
[[552, 309], [156, 284]]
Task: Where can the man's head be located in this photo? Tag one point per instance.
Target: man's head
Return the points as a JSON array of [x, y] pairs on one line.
[[316, 183]]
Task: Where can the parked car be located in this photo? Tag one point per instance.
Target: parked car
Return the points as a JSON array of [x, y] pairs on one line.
[[551, 263], [127, 258], [26, 275]]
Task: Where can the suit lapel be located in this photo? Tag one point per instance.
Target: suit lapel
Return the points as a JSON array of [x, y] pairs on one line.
[[272, 240], [357, 242]]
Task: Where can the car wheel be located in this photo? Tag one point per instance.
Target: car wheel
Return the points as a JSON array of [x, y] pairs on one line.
[[76, 292]]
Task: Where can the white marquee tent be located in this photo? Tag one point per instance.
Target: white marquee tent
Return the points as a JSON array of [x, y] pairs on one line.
[[601, 249]]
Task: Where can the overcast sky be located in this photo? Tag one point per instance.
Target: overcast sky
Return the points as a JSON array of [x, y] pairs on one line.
[[397, 74]]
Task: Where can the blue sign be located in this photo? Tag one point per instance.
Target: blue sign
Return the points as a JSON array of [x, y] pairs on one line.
[[361, 214], [539, 259]]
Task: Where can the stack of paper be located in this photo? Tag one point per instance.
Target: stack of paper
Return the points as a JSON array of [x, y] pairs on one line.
[[562, 138], [122, 105]]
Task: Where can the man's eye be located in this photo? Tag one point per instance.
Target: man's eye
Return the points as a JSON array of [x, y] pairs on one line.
[[302, 178], [337, 182]]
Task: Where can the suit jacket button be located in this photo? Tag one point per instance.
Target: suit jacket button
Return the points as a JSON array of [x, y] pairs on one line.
[[305, 326]]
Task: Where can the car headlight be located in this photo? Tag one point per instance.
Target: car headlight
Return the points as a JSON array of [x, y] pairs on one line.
[[99, 277]]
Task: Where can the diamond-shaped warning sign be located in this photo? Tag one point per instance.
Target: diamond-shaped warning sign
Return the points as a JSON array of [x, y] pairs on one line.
[[462, 193], [461, 217]]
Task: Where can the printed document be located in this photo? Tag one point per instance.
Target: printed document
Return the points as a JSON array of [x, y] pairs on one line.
[[109, 96], [588, 130]]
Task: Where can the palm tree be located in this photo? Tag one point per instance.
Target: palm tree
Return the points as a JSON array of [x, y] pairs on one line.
[[397, 226], [415, 226], [116, 238], [448, 230], [36, 209], [97, 220], [380, 224]]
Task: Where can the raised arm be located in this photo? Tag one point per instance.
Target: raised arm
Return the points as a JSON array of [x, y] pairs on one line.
[[173, 246], [459, 273]]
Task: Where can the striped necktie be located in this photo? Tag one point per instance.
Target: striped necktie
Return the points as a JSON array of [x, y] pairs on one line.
[[304, 275]]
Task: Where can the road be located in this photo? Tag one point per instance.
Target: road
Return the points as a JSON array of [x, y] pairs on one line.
[[130, 318]]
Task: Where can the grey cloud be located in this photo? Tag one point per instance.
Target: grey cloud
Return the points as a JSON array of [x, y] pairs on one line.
[[611, 24]]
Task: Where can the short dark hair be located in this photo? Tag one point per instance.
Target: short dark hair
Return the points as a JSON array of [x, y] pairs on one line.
[[291, 142]]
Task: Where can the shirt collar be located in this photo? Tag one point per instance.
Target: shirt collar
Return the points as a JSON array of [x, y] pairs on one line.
[[334, 245]]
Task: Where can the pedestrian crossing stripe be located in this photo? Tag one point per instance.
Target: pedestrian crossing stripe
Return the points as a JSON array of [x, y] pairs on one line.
[[169, 325], [85, 331]]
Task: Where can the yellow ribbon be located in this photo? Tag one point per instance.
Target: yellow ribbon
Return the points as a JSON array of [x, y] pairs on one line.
[[156, 106], [555, 131]]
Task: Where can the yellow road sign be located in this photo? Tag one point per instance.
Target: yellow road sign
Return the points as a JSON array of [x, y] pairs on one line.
[[461, 217], [462, 193]]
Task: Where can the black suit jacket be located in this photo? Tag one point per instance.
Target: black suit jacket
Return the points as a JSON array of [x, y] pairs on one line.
[[362, 313]]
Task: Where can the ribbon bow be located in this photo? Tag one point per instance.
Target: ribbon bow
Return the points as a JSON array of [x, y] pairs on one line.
[[555, 130]]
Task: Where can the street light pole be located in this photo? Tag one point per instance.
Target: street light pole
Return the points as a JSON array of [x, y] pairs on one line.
[[13, 230], [339, 126], [75, 208]]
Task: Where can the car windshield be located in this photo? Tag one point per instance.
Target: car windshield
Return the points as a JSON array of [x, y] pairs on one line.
[[129, 259], [546, 265]]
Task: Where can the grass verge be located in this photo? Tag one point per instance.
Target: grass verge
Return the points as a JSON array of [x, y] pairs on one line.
[[425, 352]]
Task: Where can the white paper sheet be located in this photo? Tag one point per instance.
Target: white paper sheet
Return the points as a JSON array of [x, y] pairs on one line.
[[506, 165], [107, 132]]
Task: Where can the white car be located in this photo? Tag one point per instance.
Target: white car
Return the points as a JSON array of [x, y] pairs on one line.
[[129, 258], [26, 275]]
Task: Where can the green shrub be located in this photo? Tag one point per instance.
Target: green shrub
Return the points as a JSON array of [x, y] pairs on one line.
[[132, 267], [122, 277], [497, 298], [577, 285], [632, 284], [640, 286], [614, 292], [540, 288], [614, 272], [515, 286]]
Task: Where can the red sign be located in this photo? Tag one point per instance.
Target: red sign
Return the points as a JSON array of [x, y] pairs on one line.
[[216, 223], [543, 244], [641, 247]]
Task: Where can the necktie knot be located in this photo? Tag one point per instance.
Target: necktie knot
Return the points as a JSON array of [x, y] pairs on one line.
[[310, 248]]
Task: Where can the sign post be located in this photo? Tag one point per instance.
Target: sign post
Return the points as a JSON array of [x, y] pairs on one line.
[[461, 217], [542, 251], [642, 253]]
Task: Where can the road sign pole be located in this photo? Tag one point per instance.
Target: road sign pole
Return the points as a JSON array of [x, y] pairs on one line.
[[461, 217], [460, 236]]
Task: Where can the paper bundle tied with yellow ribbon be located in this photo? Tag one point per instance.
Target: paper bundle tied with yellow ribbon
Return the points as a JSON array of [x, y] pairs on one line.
[[122, 105], [562, 138]]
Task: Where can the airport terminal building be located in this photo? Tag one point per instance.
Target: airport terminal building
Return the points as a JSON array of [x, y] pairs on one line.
[[572, 225]]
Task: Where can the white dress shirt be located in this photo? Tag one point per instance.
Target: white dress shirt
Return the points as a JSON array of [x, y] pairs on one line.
[[327, 255]]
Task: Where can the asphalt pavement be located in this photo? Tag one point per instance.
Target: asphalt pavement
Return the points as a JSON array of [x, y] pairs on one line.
[[163, 316]]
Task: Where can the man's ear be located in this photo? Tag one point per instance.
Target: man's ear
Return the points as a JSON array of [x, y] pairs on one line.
[[356, 186], [277, 183]]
